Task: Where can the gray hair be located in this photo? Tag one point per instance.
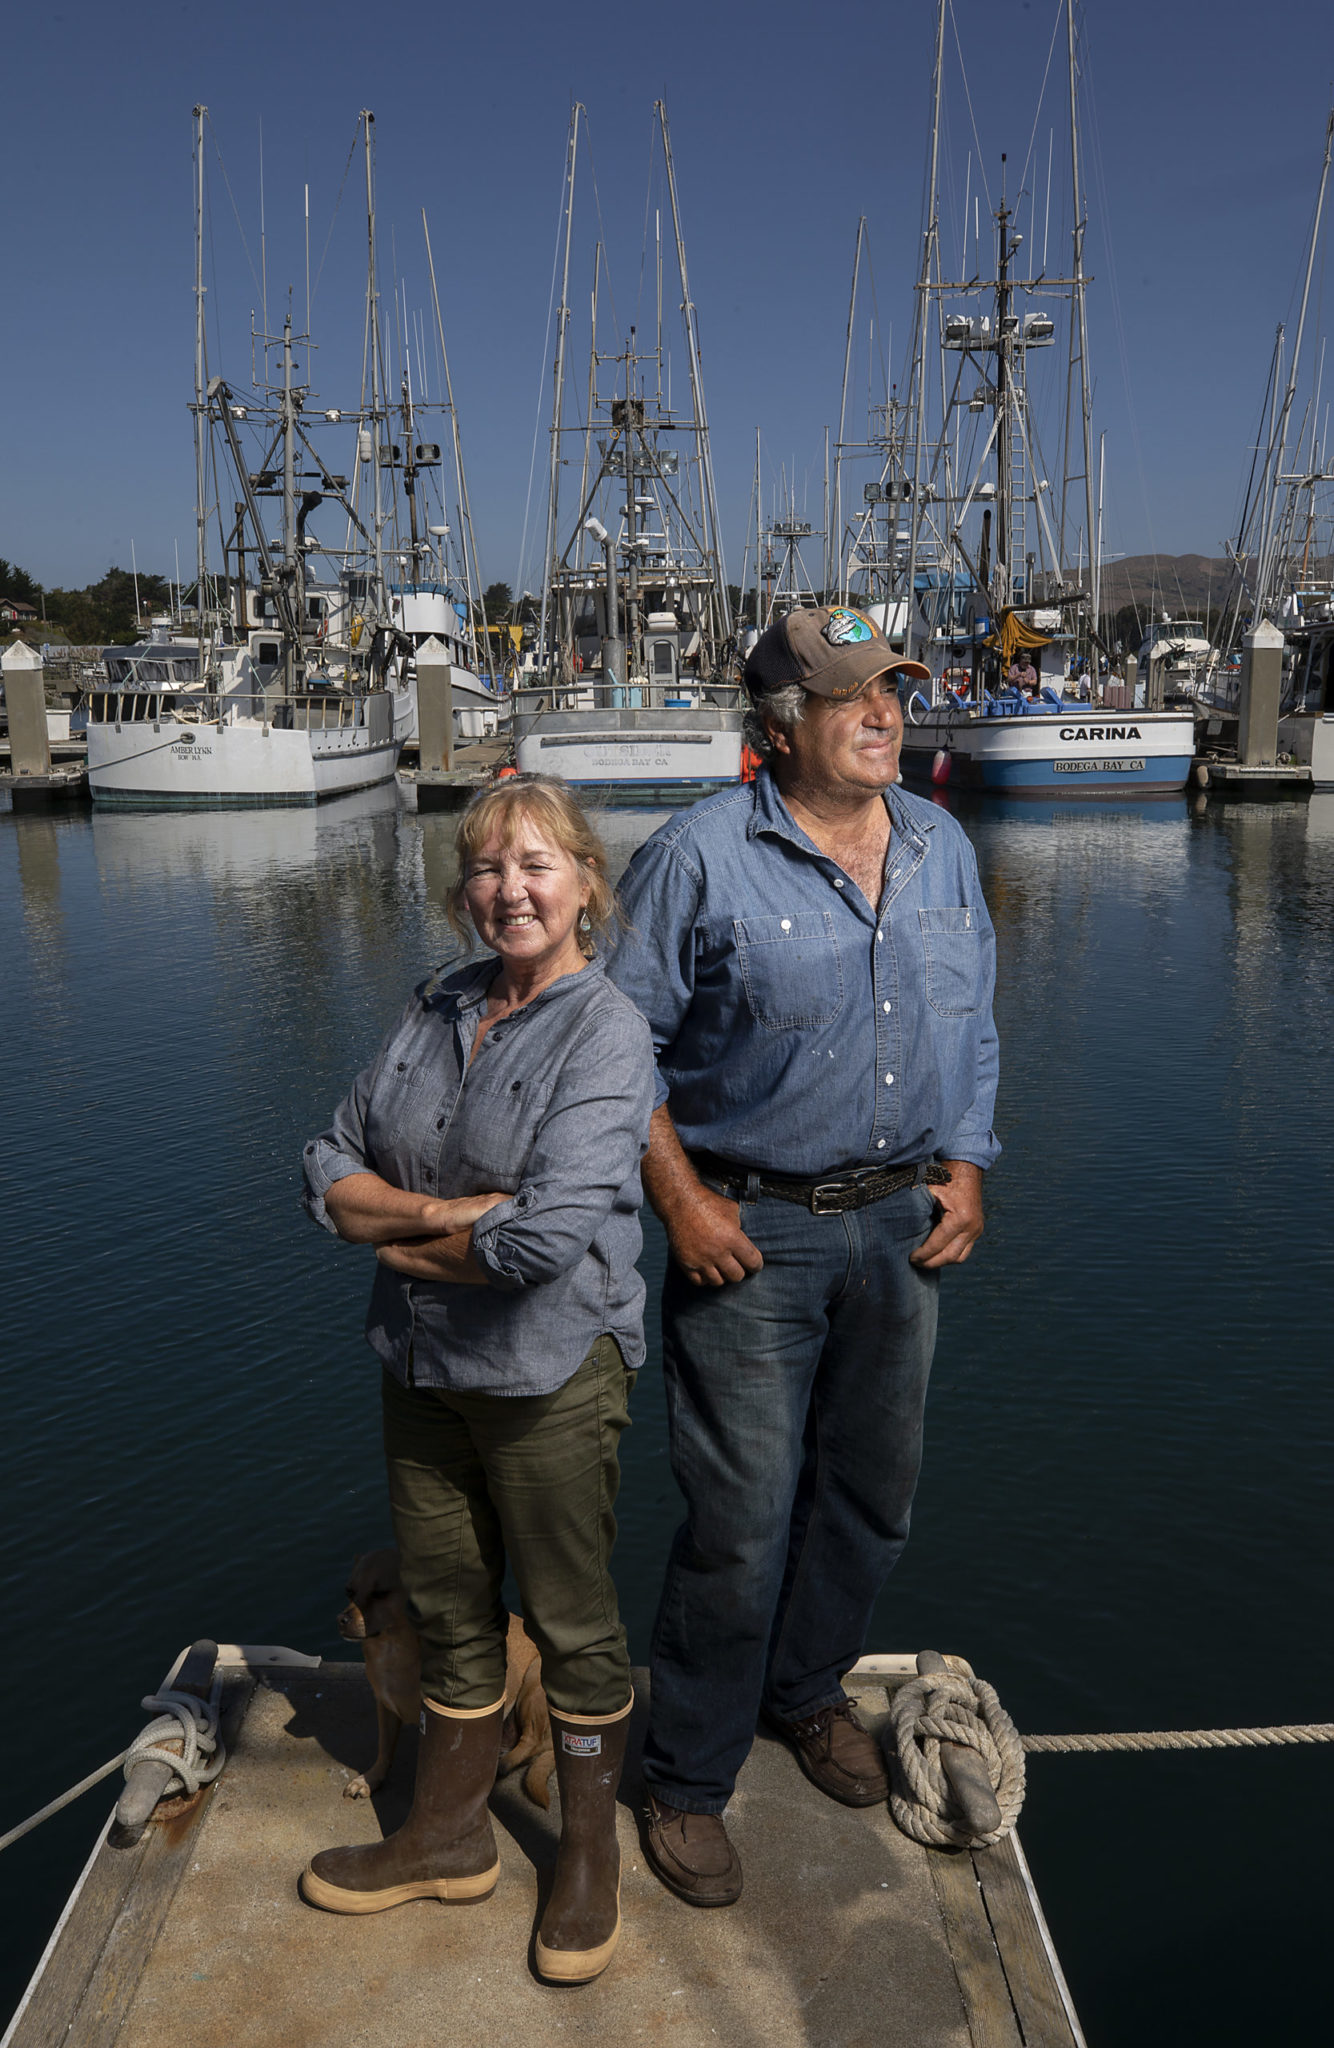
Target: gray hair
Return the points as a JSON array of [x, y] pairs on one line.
[[786, 707]]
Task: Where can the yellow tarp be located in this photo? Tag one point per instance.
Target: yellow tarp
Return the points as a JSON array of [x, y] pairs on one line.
[[515, 634], [1013, 635]]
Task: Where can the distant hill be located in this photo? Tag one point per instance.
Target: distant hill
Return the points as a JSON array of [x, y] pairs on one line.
[[1171, 583]]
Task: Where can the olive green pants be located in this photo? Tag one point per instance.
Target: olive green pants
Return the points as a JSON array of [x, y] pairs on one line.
[[476, 1479]]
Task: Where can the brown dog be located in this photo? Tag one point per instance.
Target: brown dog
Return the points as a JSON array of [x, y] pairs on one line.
[[376, 1616]]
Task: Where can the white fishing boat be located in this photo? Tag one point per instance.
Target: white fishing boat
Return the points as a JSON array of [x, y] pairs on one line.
[[635, 688], [984, 552], [1178, 652], [295, 680]]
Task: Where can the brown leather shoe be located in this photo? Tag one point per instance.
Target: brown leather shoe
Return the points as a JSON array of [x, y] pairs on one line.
[[691, 1854], [837, 1754]]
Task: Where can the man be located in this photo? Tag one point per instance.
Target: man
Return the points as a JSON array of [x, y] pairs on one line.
[[816, 962], [1022, 673]]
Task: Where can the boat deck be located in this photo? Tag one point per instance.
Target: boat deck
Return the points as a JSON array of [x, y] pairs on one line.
[[847, 1932]]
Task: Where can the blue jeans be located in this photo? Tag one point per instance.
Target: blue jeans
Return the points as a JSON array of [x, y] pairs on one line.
[[794, 1401]]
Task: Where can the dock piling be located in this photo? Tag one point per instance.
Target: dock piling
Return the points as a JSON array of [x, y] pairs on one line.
[[1258, 703], [25, 700]]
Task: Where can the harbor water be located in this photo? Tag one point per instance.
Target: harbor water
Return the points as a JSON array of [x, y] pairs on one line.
[[1124, 1513]]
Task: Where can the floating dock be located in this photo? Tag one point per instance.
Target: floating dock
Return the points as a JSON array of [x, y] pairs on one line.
[[847, 1933]]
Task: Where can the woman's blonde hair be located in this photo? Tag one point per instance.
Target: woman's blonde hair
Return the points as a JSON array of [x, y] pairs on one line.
[[553, 807]]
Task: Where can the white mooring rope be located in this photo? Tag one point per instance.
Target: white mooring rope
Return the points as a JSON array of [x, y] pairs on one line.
[[194, 1723], [944, 1706], [952, 1707], [180, 1718]]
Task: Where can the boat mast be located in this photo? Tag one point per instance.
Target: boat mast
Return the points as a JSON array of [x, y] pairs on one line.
[[1004, 581], [1078, 320], [917, 396], [1264, 595], [562, 323], [834, 541], [472, 574], [712, 535], [200, 407], [378, 410]]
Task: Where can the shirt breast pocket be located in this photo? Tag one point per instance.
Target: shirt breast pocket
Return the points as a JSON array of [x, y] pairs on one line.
[[498, 1129], [399, 1100], [790, 969], [955, 960]]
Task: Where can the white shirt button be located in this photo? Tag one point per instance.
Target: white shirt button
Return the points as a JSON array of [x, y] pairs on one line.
[[879, 1144], [879, 937], [785, 925], [837, 883], [886, 1005], [889, 1080]]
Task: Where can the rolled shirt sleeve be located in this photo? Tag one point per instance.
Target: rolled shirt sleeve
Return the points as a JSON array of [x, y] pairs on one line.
[[341, 1150], [584, 1159]]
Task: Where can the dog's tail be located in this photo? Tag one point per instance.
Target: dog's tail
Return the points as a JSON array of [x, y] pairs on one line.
[[537, 1778]]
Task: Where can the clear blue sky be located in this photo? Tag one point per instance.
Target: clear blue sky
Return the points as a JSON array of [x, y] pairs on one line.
[[787, 122]]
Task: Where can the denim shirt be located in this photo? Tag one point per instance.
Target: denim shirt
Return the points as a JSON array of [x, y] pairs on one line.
[[554, 1113], [798, 1029]]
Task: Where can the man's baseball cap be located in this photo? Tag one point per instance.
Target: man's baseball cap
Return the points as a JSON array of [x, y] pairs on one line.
[[831, 650]]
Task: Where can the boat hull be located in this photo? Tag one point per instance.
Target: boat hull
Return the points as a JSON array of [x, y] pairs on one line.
[[638, 756], [1074, 753], [165, 765]]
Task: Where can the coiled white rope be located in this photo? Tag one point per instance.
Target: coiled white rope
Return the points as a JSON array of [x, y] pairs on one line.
[[180, 1717], [946, 1706], [954, 1707], [194, 1723]]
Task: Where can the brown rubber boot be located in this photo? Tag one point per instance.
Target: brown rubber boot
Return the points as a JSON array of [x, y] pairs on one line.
[[582, 1923], [445, 1848]]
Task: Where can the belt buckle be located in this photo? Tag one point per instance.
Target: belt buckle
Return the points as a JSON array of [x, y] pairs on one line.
[[824, 1198]]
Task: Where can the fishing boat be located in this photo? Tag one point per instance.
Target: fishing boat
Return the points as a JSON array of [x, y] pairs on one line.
[[985, 554], [1283, 552], [292, 678], [1177, 653], [635, 686]]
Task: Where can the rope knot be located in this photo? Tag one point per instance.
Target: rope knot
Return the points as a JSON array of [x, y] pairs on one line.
[[951, 1708], [191, 1722]]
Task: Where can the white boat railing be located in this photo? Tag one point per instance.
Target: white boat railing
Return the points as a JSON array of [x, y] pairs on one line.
[[310, 711]]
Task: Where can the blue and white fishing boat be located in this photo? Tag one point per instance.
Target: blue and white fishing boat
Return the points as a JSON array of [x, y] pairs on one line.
[[993, 513]]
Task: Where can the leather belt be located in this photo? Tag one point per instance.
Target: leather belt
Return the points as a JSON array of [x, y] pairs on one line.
[[831, 1195]]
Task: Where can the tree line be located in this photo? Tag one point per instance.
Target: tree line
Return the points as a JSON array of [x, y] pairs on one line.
[[101, 614]]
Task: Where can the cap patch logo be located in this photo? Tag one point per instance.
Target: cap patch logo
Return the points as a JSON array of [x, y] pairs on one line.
[[846, 628], [581, 1745]]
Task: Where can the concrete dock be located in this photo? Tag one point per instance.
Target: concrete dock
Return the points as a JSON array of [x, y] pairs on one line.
[[847, 1934]]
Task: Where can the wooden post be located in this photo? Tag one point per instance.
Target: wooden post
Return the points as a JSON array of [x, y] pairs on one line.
[[1261, 684], [25, 700], [435, 706]]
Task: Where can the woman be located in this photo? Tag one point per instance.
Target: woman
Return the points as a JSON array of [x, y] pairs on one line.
[[491, 1155]]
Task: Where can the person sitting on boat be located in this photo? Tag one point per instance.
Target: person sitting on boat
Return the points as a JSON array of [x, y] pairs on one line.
[[1022, 675], [490, 1153], [816, 961]]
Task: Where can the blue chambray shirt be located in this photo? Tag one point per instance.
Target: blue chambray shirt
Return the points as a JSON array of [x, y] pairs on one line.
[[554, 1111], [798, 1029]]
